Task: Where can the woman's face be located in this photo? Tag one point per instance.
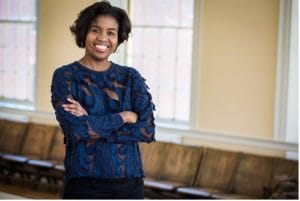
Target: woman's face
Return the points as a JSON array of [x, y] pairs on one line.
[[102, 38]]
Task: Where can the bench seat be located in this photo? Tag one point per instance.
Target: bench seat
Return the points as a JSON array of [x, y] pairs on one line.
[[59, 167], [194, 191], [40, 164], [15, 158], [161, 185]]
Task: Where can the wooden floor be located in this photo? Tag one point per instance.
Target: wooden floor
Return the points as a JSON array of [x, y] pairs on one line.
[[17, 191], [8, 196]]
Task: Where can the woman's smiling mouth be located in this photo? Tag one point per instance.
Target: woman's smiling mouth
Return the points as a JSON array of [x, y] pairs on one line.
[[101, 48]]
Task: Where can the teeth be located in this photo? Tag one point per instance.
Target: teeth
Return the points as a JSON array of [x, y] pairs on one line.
[[101, 47]]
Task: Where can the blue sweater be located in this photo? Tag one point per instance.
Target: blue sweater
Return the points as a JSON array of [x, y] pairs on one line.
[[99, 144]]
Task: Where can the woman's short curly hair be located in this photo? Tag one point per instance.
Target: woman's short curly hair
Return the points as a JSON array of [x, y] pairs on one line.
[[85, 18]]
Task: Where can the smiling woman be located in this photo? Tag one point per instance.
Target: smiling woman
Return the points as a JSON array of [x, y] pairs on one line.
[[101, 39], [104, 110]]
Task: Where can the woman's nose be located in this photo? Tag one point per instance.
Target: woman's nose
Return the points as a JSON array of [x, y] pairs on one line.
[[101, 36]]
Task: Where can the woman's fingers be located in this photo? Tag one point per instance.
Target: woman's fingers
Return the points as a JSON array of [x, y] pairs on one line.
[[129, 117], [74, 107], [73, 101], [75, 110], [70, 106]]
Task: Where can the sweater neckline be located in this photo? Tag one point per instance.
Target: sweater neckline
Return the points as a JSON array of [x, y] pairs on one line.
[[84, 68]]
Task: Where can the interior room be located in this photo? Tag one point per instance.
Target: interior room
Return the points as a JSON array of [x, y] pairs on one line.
[[223, 79]]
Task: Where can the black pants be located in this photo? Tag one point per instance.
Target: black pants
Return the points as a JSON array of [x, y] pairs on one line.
[[90, 188]]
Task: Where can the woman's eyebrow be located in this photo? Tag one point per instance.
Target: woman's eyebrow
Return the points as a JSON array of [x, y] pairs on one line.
[[110, 29]]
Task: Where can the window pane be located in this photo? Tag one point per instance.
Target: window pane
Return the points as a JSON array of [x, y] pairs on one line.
[[151, 42], [168, 43], [167, 73], [2, 38], [184, 40], [3, 9], [13, 9], [165, 103], [152, 19], [137, 45], [27, 10], [186, 12], [150, 71], [182, 98], [139, 12], [171, 15]]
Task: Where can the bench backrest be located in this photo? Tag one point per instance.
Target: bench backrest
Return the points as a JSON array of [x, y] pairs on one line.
[[181, 164], [12, 136], [153, 155], [57, 150], [252, 174], [217, 169], [286, 167], [38, 140]]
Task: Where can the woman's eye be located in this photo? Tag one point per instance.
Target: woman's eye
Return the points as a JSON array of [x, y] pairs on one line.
[[110, 33], [95, 30]]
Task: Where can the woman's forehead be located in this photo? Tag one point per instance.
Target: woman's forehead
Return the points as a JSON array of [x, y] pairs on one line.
[[105, 21]]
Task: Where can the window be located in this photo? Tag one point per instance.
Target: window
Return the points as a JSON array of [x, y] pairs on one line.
[[17, 51], [161, 49]]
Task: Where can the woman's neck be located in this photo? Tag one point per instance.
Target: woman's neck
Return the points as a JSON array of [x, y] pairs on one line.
[[95, 65]]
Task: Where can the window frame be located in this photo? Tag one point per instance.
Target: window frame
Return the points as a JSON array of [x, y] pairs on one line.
[[286, 73], [195, 70], [13, 103]]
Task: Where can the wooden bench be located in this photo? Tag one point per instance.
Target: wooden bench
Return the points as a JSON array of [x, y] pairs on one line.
[[53, 166], [12, 136], [153, 156], [36, 145], [178, 167], [284, 180], [253, 173], [11, 141], [214, 174], [171, 170]]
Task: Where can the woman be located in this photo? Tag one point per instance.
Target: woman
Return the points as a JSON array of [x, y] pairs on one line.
[[104, 110]]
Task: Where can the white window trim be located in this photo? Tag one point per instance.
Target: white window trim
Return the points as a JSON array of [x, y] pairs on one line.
[[227, 141], [196, 66], [16, 104], [292, 127], [284, 66]]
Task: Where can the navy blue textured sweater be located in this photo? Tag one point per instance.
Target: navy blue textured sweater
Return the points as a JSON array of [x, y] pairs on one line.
[[99, 144]]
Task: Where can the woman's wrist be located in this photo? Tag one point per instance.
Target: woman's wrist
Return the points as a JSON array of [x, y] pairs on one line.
[[128, 116], [123, 116]]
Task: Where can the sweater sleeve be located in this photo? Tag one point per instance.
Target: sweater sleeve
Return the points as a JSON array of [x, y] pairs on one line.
[[79, 128], [144, 129]]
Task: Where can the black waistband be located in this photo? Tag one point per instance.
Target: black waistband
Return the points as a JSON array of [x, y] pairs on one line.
[[103, 180]]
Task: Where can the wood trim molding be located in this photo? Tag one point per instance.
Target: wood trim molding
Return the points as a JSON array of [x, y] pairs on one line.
[[282, 71], [226, 141]]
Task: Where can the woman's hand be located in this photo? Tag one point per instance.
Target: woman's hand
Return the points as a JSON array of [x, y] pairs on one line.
[[75, 108], [129, 117]]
